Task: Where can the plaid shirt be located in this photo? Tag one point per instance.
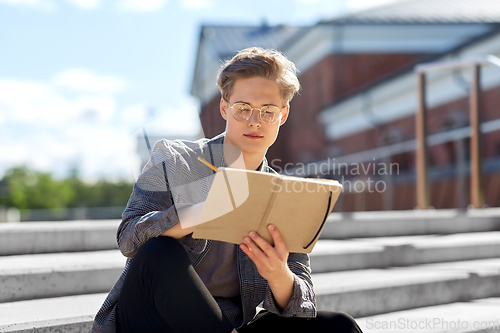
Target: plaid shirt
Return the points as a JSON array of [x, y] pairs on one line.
[[174, 178]]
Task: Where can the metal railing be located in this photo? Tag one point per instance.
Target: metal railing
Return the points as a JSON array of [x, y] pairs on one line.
[[423, 187]]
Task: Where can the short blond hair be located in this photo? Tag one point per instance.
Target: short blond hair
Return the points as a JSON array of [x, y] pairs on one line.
[[259, 62]]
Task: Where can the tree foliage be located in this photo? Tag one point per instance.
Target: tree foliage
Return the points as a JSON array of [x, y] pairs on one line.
[[24, 188]]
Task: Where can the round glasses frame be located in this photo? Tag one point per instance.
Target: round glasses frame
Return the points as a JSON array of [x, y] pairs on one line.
[[243, 119]]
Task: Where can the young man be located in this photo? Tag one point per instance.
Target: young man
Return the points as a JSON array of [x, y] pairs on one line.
[[175, 283]]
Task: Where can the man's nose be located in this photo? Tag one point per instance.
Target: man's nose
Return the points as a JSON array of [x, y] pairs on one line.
[[254, 118]]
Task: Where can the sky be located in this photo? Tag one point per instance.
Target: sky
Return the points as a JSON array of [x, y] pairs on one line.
[[79, 78]]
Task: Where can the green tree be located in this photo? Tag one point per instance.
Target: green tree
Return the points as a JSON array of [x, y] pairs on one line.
[[24, 188], [35, 189]]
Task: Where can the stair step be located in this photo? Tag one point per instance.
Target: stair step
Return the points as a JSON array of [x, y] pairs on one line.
[[380, 252], [58, 274], [60, 314], [74, 236], [76, 313], [376, 291], [476, 316], [410, 222], [50, 237]]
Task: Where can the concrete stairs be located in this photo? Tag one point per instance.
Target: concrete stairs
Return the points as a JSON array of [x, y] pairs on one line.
[[54, 276], [384, 268]]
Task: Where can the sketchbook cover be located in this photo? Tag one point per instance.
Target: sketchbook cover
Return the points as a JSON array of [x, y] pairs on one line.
[[240, 201]]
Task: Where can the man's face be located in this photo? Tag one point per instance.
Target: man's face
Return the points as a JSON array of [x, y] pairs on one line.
[[253, 136]]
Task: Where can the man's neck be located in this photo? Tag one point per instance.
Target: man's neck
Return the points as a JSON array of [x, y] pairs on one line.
[[233, 158], [253, 162]]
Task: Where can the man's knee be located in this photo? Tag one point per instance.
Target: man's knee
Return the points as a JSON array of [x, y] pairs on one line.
[[342, 322], [162, 250]]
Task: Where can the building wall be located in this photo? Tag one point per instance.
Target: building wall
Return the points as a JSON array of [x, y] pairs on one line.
[[333, 78], [443, 196], [445, 190], [447, 116]]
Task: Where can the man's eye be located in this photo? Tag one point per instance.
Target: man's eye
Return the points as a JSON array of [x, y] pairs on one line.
[[243, 109], [268, 111]]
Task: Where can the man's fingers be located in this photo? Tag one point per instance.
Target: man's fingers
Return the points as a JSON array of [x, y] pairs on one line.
[[261, 242], [248, 252], [279, 241], [254, 248]]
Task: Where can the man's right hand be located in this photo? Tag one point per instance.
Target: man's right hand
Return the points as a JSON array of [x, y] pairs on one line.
[[177, 231]]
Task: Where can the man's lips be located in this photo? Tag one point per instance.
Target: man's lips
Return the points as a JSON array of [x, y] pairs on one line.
[[253, 136]]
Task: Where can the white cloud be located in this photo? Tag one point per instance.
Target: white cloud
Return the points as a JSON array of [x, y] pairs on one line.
[[97, 151], [47, 5], [135, 114], [86, 4], [197, 4], [175, 123], [95, 108], [167, 123], [101, 151], [47, 130], [84, 80], [32, 102], [142, 5]]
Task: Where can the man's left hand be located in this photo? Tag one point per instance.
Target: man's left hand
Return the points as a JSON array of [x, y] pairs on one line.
[[271, 261]]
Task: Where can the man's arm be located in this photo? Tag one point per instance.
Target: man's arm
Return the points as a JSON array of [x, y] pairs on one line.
[[282, 289], [150, 210], [272, 264]]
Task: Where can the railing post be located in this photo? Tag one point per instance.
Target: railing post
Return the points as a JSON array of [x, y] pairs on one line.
[[423, 193], [477, 190]]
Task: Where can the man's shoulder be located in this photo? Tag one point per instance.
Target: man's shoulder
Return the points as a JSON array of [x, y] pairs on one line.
[[183, 146]]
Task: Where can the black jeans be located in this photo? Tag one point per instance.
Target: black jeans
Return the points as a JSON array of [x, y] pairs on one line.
[[163, 293]]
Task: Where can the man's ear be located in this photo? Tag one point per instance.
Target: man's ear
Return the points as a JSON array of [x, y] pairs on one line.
[[284, 114], [223, 108]]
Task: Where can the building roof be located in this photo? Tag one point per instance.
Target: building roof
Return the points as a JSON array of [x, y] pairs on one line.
[[425, 12], [228, 40]]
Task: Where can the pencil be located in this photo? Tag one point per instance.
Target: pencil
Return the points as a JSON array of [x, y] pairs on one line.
[[202, 160]]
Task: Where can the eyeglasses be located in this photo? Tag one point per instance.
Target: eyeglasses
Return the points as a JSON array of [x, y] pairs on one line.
[[268, 114]]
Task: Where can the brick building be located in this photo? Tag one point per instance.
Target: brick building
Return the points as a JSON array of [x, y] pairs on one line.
[[358, 99]]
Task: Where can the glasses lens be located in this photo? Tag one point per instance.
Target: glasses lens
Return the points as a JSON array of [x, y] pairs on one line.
[[242, 112], [270, 114]]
